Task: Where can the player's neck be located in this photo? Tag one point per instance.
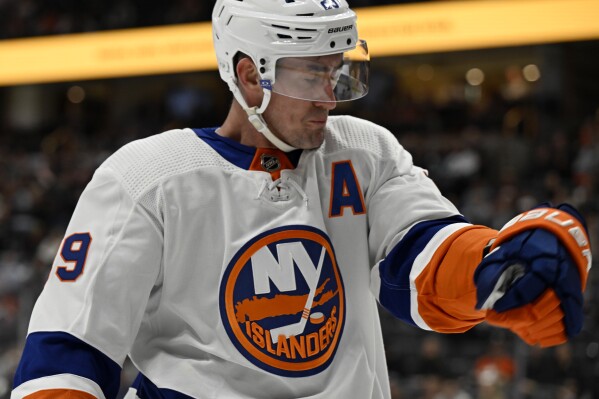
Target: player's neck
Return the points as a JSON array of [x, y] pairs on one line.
[[237, 127]]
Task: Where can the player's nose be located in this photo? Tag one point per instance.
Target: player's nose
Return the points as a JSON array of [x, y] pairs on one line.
[[328, 105], [328, 100]]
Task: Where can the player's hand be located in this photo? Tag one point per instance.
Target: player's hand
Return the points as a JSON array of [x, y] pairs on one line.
[[532, 280]]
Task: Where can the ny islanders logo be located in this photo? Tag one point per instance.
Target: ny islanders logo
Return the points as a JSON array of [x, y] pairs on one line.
[[282, 301], [329, 4]]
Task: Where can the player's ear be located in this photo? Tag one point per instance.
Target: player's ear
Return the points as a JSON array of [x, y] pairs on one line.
[[249, 81]]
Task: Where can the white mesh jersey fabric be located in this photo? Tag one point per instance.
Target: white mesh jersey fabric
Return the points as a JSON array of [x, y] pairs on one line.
[[348, 132], [142, 164]]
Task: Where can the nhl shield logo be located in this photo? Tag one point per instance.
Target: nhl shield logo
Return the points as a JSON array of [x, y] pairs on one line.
[[282, 301], [270, 163]]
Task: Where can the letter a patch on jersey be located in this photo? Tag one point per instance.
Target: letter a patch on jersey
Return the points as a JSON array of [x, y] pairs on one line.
[[282, 301], [345, 190]]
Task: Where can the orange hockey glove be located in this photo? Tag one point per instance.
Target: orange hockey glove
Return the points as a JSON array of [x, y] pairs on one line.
[[532, 280]]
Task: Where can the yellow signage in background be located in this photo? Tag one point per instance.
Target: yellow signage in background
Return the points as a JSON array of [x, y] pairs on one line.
[[389, 30], [107, 54], [475, 24]]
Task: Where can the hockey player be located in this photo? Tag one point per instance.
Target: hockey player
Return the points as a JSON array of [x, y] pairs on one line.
[[245, 261]]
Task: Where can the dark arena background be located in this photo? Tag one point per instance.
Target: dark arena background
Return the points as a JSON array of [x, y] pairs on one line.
[[498, 99]]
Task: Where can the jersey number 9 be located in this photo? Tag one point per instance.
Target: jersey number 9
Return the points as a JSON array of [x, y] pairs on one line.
[[74, 250]]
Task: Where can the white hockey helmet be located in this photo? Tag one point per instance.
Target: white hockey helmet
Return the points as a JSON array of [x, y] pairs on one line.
[[284, 39]]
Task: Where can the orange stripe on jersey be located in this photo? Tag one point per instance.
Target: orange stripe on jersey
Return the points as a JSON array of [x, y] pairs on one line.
[[271, 160], [60, 394], [446, 290]]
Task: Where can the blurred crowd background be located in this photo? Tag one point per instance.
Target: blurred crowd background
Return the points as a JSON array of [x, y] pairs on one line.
[[500, 130]]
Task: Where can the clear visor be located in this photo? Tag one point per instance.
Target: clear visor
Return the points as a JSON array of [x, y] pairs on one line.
[[329, 78]]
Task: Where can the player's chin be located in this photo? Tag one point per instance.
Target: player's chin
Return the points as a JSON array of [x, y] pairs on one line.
[[313, 139]]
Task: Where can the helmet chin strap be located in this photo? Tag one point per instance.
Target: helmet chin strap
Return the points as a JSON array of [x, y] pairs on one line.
[[257, 120]]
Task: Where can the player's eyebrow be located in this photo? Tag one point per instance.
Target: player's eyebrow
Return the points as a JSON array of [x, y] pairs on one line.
[[317, 67]]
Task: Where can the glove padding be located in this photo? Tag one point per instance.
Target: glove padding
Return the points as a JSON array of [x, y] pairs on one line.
[[533, 277], [540, 322]]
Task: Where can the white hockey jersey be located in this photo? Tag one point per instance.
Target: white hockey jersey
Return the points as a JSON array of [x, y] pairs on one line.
[[226, 271]]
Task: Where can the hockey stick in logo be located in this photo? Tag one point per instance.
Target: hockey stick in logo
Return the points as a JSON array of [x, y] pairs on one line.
[[298, 328]]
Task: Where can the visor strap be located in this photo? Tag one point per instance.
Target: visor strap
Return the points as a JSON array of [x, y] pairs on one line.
[[257, 120]]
